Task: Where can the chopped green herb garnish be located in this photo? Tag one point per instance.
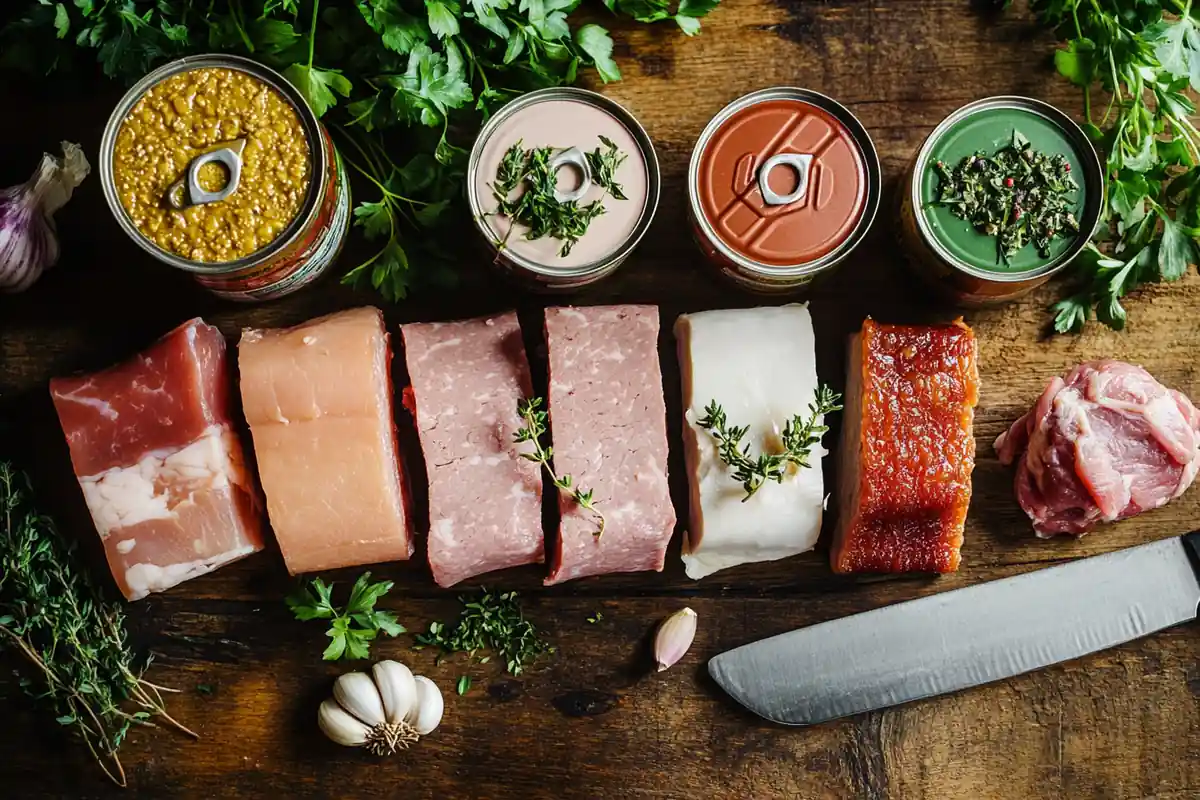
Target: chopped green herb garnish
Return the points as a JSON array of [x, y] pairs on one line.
[[595, 618], [206, 689], [464, 684], [351, 629], [491, 621], [1018, 195]]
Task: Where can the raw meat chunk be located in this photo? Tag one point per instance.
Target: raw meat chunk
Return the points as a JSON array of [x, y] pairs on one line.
[[759, 364], [1104, 442], [485, 501], [160, 465], [608, 423], [907, 449], [318, 398]]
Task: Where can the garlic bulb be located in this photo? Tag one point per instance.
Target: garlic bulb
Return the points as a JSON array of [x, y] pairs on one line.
[[28, 244], [385, 711], [674, 637]]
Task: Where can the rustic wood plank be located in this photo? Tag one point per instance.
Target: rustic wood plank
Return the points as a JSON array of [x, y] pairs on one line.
[[593, 721]]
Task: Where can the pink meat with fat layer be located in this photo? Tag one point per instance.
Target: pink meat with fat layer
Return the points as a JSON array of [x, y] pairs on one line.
[[609, 430], [485, 501], [161, 468], [1104, 442]]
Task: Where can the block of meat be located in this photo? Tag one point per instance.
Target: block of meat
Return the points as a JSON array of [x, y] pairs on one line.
[[608, 423], [759, 364], [907, 450], [485, 501], [161, 467], [318, 398], [1104, 442]]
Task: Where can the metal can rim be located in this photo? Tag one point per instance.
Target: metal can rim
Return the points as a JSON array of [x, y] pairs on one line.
[[653, 181], [257, 70], [861, 138], [1093, 175]]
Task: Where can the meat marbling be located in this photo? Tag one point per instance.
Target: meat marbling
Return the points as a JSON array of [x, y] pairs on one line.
[[1104, 442], [161, 468]]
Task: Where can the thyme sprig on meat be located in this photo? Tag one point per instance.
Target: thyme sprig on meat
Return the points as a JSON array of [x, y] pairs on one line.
[[531, 413], [797, 439], [1018, 195], [537, 208], [57, 619]]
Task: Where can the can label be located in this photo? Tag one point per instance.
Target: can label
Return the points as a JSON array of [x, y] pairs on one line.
[[306, 259]]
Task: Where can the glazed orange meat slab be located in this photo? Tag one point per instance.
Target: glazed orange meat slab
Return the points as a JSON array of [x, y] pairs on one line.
[[907, 449]]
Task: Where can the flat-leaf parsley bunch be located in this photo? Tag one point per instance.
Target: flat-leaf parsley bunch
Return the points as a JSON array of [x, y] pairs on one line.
[[403, 84]]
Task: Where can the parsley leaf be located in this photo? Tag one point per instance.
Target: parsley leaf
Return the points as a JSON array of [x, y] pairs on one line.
[[318, 85], [595, 41], [351, 629]]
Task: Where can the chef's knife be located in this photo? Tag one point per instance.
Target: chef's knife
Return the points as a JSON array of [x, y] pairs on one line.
[[965, 637]]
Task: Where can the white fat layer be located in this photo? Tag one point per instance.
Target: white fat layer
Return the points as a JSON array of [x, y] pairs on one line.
[[760, 365], [143, 579], [126, 546], [162, 480]]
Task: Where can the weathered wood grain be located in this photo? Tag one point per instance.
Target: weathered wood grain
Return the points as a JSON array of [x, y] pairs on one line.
[[593, 721]]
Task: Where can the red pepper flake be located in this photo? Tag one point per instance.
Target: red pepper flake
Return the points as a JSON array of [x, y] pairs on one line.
[[1008, 182], [1066, 167]]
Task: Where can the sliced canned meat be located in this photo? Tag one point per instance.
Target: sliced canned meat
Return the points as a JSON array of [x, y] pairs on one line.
[[609, 429], [485, 501]]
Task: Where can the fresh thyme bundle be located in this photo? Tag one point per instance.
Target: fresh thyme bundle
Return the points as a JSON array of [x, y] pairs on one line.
[[56, 618]]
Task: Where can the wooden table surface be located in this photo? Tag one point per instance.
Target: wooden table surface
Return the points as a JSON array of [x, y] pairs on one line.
[[594, 721]]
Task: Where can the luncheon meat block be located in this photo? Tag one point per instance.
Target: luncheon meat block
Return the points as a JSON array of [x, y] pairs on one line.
[[485, 501], [907, 449], [318, 398], [759, 364], [160, 465], [1104, 442], [608, 423]]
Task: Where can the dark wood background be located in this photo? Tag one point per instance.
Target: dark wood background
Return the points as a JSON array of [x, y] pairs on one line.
[[594, 721]]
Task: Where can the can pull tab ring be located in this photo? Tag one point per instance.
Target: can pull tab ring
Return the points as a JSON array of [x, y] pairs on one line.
[[575, 157], [801, 163], [187, 191]]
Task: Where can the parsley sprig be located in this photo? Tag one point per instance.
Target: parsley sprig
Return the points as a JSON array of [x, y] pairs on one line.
[[409, 80], [797, 439], [532, 432], [58, 620], [351, 629], [1145, 62], [493, 622]]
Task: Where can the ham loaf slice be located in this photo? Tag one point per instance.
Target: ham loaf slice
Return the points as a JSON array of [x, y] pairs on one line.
[[907, 448]]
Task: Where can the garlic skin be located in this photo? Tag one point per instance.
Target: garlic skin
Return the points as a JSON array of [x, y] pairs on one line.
[[386, 711], [340, 726], [397, 688], [674, 637], [427, 711], [28, 244]]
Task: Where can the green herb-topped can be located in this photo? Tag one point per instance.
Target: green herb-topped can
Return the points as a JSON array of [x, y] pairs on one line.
[[1002, 195], [562, 184]]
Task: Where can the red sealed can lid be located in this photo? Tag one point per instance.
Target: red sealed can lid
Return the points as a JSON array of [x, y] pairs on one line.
[[784, 179]]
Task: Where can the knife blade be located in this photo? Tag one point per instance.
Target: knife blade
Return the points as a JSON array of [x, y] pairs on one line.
[[965, 637]]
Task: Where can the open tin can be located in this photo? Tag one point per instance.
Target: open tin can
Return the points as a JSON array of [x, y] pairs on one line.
[[961, 263], [573, 123], [783, 184], [277, 214]]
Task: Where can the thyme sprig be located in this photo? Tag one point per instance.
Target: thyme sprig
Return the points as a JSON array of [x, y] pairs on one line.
[[56, 618], [798, 438], [535, 427], [537, 208]]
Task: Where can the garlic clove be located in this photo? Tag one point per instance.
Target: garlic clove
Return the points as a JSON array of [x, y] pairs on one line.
[[397, 688], [356, 692], [340, 726], [426, 713], [674, 637]]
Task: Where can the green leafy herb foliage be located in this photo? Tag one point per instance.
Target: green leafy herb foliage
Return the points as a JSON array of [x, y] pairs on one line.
[[1017, 195], [490, 621], [54, 616], [1144, 56], [796, 442], [534, 429], [403, 84], [536, 206], [351, 629]]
